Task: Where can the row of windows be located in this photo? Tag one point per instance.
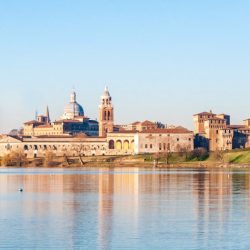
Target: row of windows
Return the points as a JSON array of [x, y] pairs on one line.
[[54, 147]]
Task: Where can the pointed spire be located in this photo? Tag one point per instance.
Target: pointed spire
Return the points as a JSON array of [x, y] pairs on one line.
[[36, 114], [73, 96], [47, 114]]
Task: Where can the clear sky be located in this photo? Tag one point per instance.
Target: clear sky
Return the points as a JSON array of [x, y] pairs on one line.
[[161, 59]]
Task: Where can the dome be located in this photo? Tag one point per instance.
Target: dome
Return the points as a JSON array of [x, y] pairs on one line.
[[73, 109]]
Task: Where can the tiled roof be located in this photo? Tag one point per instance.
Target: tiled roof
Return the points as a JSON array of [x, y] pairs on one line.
[[33, 122], [178, 130], [135, 123], [205, 113], [68, 121], [147, 123], [44, 126], [124, 132], [236, 126]]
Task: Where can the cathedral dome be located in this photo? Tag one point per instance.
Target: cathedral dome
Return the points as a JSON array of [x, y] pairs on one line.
[[73, 109]]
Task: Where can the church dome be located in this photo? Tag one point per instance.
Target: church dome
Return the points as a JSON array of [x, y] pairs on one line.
[[73, 109]]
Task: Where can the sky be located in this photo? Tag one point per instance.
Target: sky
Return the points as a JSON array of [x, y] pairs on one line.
[[162, 60]]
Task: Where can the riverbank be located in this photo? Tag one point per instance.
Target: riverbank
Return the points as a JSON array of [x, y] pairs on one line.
[[227, 159]]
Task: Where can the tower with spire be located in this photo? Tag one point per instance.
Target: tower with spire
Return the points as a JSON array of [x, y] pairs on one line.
[[47, 114], [106, 114]]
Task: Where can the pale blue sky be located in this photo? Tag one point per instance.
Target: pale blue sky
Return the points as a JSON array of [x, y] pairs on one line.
[[162, 60]]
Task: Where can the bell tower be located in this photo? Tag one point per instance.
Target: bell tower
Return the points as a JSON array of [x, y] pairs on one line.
[[106, 114]]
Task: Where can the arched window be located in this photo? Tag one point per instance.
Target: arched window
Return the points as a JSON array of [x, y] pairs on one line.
[[108, 115], [111, 144], [26, 147], [105, 115], [118, 145], [126, 145]]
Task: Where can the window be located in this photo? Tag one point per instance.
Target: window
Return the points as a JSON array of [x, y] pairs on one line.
[[178, 139], [146, 145], [151, 146], [111, 144], [159, 146]]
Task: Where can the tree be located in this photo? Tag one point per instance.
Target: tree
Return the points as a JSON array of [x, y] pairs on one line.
[[185, 151], [219, 155], [49, 158], [200, 154], [167, 155], [80, 150], [14, 158], [156, 158]]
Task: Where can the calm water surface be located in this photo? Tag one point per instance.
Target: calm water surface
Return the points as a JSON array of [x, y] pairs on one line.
[[124, 208]]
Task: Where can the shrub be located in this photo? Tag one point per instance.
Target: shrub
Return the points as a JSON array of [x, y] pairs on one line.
[[200, 154], [49, 159], [14, 158]]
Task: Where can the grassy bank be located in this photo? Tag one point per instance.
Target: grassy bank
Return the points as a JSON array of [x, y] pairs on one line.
[[240, 158]]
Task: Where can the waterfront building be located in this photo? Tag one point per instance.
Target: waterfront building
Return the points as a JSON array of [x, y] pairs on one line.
[[115, 143], [71, 122], [140, 126], [215, 132], [75, 134]]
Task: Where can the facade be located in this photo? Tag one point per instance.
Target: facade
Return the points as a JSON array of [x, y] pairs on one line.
[[115, 143], [106, 114], [165, 140], [215, 132], [75, 134], [71, 122], [140, 126], [151, 141]]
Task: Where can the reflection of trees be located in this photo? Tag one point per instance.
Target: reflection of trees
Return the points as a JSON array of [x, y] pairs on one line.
[[240, 181]]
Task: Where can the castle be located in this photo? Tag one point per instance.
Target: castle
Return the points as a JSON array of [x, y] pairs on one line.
[[75, 134], [215, 132]]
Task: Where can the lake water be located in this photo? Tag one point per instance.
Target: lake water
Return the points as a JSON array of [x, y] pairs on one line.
[[124, 208]]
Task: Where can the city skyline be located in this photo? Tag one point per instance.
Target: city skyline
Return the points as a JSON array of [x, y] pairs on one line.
[[162, 61]]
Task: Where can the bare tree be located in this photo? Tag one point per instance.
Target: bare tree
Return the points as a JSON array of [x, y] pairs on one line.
[[219, 155], [80, 150], [49, 158], [167, 155], [156, 158], [14, 158], [185, 151]]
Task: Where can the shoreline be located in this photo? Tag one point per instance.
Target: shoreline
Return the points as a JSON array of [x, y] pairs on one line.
[[229, 159], [136, 164]]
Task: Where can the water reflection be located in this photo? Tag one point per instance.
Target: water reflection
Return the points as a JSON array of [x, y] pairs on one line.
[[123, 208]]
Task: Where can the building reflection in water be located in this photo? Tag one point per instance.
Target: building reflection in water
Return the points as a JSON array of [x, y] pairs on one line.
[[125, 200]]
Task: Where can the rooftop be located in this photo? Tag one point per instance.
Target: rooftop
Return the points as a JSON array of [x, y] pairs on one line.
[[205, 113]]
